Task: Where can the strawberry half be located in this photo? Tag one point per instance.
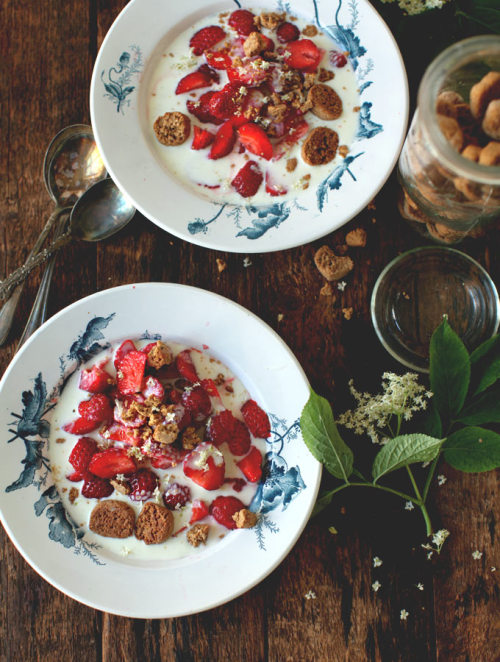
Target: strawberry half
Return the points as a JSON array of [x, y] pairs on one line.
[[251, 465], [143, 483], [218, 59], [256, 419], [206, 38], [201, 109], [92, 412], [95, 379], [224, 142], [199, 510], [126, 347], [110, 462], [201, 138], [287, 32], [185, 366], [123, 433], [242, 21], [83, 451], [226, 102], [152, 386], [248, 180], [223, 508], [274, 189], [202, 77], [176, 496], [304, 55], [220, 427], [96, 488], [164, 457], [249, 74], [205, 466], [197, 402], [131, 372], [254, 138]]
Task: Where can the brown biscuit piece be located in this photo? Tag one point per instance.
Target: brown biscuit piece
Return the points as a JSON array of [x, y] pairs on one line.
[[320, 146], [491, 120], [112, 519], [154, 524], [172, 128], [483, 92], [447, 102], [330, 265], [451, 131], [356, 237], [472, 152], [254, 44], [197, 534], [326, 103], [245, 519], [490, 155]]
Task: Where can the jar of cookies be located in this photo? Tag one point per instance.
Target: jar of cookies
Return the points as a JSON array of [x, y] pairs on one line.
[[449, 167]]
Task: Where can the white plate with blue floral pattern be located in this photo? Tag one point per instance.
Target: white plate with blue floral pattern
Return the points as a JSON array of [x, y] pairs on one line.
[[31, 508], [138, 37]]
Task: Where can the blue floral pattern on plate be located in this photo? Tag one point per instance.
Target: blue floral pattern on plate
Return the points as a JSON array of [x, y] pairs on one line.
[[117, 84]]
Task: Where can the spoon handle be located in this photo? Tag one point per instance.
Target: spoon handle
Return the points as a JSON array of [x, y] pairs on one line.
[[8, 310], [38, 313]]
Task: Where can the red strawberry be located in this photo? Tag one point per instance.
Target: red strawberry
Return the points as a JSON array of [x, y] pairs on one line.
[[152, 386], [75, 477], [248, 74], [95, 379], [96, 409], [176, 496], [199, 510], [248, 179], [242, 21], [223, 508], [96, 488], [201, 109], [82, 453], [143, 483], [218, 59], [211, 388], [239, 442], [204, 76], [238, 120], [197, 402], [220, 427], [174, 396], [205, 466], [225, 103], [126, 347], [254, 138], [81, 426], [206, 38], [287, 32], [131, 372], [274, 189], [110, 462], [251, 465], [304, 55], [123, 433], [164, 457], [224, 142], [256, 419], [269, 45], [338, 59], [148, 347], [201, 138], [185, 366], [236, 483]]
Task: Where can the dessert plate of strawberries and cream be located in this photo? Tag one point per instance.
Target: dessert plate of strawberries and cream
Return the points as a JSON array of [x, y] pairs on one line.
[[246, 127], [152, 463]]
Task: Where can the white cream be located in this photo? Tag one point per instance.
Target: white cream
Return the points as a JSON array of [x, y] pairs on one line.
[[195, 169], [131, 548]]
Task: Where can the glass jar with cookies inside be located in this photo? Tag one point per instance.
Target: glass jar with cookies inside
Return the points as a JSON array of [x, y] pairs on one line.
[[449, 167]]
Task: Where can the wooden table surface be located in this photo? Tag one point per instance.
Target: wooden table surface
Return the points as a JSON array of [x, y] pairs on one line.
[[47, 52]]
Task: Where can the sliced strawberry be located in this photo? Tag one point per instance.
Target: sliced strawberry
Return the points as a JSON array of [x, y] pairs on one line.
[[83, 451], [251, 465], [223, 508], [224, 142], [75, 477], [227, 102], [256, 419], [143, 483], [249, 73], [304, 55], [81, 426], [201, 138], [254, 138], [242, 21], [269, 45], [148, 347], [199, 510], [211, 388], [248, 179], [118, 415], [274, 189], [238, 120], [123, 433], [110, 462], [204, 76], [126, 347], [185, 366], [97, 409], [338, 59], [218, 59], [239, 442], [176, 496], [206, 38], [197, 402], [174, 396], [131, 372], [201, 109], [205, 466], [287, 32], [96, 488], [220, 428], [164, 457], [151, 386], [95, 379]]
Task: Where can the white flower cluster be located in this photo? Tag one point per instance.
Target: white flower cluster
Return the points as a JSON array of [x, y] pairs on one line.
[[438, 540], [418, 6], [401, 396]]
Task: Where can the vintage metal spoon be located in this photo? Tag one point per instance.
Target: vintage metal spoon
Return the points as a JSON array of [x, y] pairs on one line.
[[71, 165]]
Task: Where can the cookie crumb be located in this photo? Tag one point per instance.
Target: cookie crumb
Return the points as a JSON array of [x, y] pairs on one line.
[[221, 264], [245, 519], [330, 265], [60, 440], [121, 485], [347, 313], [325, 75], [73, 495], [160, 355], [356, 238], [197, 534], [254, 44], [343, 151], [326, 290], [310, 31], [291, 164], [280, 317]]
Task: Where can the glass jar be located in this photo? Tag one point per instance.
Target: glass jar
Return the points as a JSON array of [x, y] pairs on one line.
[[444, 193]]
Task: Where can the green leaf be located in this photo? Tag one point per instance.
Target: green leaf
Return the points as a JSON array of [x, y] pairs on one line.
[[403, 450], [485, 13], [324, 500], [449, 371], [323, 439], [431, 422], [485, 363], [473, 449], [483, 409]]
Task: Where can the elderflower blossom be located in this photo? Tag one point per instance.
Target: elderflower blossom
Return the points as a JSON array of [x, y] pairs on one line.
[[403, 614], [412, 7], [401, 396], [438, 540]]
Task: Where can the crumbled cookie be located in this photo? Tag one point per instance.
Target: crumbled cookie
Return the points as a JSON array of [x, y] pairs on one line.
[[73, 495], [166, 433], [190, 439], [112, 519], [155, 524], [291, 164], [483, 92], [347, 313], [60, 440], [278, 112], [451, 131], [472, 152], [221, 264], [326, 290], [490, 155], [491, 120], [245, 519], [254, 44], [172, 128], [271, 20], [330, 265], [447, 102], [310, 31], [160, 355], [325, 75], [197, 534], [326, 103], [121, 486], [320, 146], [356, 238], [343, 151], [309, 80]]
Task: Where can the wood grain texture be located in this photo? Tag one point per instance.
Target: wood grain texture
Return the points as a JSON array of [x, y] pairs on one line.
[[47, 51]]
